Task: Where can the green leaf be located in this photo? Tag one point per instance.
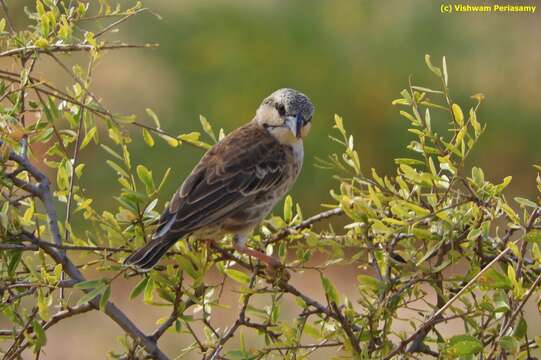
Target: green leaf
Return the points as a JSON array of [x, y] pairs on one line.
[[330, 291], [62, 177], [500, 302], [105, 298], [511, 274], [171, 141], [43, 306], [14, 262], [145, 176], [111, 151], [125, 119], [432, 68], [510, 344], [526, 202], [27, 217], [41, 338], [463, 345], [89, 284], [89, 136], [534, 236], [478, 176], [138, 289], [458, 114], [425, 89], [520, 329], [238, 276], [514, 249], [445, 74], [288, 209], [153, 116], [120, 171], [493, 279], [475, 123], [148, 296], [186, 265], [193, 138], [148, 138], [207, 128], [536, 253], [97, 291], [367, 282], [410, 117], [79, 170]]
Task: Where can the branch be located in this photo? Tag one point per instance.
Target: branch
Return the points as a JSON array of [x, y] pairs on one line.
[[55, 319], [118, 22], [433, 319], [174, 314], [69, 48], [515, 313], [41, 243], [305, 224], [42, 191], [101, 112], [241, 320], [110, 309]]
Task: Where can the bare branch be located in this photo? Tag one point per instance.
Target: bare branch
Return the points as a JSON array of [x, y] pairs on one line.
[[70, 48], [305, 224], [118, 22]]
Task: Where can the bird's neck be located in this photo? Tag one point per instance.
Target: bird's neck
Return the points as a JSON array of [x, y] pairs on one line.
[[298, 151]]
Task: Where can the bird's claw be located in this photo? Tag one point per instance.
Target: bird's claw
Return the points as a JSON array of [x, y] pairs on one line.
[[277, 272]]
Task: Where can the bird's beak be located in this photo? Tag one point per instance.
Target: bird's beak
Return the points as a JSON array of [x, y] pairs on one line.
[[294, 124], [298, 123]]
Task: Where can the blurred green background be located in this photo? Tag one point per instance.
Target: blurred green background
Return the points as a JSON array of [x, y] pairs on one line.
[[221, 58]]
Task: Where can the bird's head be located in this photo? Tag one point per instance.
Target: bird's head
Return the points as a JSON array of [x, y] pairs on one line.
[[286, 114]]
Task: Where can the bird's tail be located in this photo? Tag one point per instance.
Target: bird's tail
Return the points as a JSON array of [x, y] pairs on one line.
[[149, 255]]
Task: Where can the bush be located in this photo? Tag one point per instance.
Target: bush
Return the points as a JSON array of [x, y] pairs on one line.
[[435, 243]]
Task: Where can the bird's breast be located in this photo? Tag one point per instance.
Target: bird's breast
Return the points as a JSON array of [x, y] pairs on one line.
[[297, 157]]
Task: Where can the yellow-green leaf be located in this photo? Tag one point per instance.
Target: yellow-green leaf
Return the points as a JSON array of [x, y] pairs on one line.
[[458, 114], [145, 176], [148, 138], [89, 136], [238, 276]]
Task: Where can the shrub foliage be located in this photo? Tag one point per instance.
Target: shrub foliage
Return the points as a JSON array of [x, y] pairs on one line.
[[432, 244]]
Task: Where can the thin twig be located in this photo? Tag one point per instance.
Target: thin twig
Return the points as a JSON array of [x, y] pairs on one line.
[[71, 48], [305, 224], [74, 160], [430, 322], [118, 22]]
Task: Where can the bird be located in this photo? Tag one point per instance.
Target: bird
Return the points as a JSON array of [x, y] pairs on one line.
[[237, 182]]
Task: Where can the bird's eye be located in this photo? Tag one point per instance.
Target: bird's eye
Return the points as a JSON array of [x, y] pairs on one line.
[[281, 109]]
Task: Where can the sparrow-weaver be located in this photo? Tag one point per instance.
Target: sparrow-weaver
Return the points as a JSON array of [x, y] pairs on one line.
[[238, 181]]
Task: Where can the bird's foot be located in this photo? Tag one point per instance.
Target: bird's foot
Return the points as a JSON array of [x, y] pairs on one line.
[[278, 273], [275, 269]]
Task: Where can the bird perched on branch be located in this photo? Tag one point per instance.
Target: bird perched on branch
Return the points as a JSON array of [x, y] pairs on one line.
[[238, 181]]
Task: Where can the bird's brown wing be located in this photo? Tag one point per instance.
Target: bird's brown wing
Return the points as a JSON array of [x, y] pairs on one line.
[[247, 162]]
